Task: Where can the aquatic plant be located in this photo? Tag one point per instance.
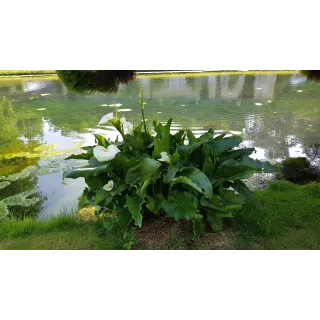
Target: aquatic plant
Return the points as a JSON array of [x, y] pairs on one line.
[[145, 174]]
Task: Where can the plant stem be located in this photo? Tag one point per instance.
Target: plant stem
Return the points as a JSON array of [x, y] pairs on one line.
[[142, 110]]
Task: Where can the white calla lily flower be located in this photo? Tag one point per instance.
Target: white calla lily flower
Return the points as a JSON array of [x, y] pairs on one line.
[[103, 154], [105, 119], [108, 186], [123, 120], [164, 157]]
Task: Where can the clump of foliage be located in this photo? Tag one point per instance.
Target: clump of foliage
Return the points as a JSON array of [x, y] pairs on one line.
[[311, 74], [94, 80], [177, 175], [297, 170]]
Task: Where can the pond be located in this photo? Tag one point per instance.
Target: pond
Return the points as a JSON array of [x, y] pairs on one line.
[[41, 123]]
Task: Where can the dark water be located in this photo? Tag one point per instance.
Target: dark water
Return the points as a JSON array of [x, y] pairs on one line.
[[279, 115]]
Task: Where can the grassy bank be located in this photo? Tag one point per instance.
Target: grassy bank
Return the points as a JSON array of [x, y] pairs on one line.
[[289, 218], [156, 74], [25, 72]]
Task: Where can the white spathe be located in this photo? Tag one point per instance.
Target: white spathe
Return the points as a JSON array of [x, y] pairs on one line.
[[123, 120], [108, 186], [105, 119], [164, 157], [103, 154]]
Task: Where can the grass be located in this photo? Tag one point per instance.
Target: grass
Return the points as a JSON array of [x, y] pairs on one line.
[[67, 232], [289, 218]]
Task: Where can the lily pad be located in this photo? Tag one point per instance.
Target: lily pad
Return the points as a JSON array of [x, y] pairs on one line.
[[3, 210], [45, 147], [10, 156], [22, 174], [22, 154], [4, 184], [21, 199], [33, 155]]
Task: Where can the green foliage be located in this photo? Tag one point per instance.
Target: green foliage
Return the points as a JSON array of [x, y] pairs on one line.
[[94, 80], [198, 180]]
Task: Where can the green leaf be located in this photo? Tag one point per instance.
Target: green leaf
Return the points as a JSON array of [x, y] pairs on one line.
[[101, 195], [144, 169], [179, 137], [124, 161], [242, 188], [214, 203], [125, 218], [83, 156], [134, 205], [224, 144], [206, 136], [94, 168], [199, 178], [260, 166], [231, 172], [187, 181], [216, 222], [180, 205], [133, 142], [163, 140], [207, 166], [119, 189], [186, 150], [236, 154], [22, 199], [230, 196], [154, 203], [4, 184], [171, 172], [102, 141], [198, 226], [191, 137]]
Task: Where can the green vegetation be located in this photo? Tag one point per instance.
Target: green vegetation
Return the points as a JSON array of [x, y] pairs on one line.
[[159, 174], [289, 218], [67, 232], [25, 72]]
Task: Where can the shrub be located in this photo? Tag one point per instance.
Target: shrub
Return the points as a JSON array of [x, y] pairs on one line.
[[177, 175]]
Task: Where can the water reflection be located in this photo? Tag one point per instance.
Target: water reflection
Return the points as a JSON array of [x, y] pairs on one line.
[[278, 115]]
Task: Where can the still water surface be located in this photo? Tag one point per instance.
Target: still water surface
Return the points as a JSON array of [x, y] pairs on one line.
[[278, 115]]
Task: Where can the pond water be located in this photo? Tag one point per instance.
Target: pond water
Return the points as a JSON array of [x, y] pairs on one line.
[[279, 115]]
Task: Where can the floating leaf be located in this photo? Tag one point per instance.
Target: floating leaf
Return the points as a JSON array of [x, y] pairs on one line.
[[4, 184], [25, 173], [45, 147], [3, 211], [10, 156], [22, 154], [21, 199], [33, 155]]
